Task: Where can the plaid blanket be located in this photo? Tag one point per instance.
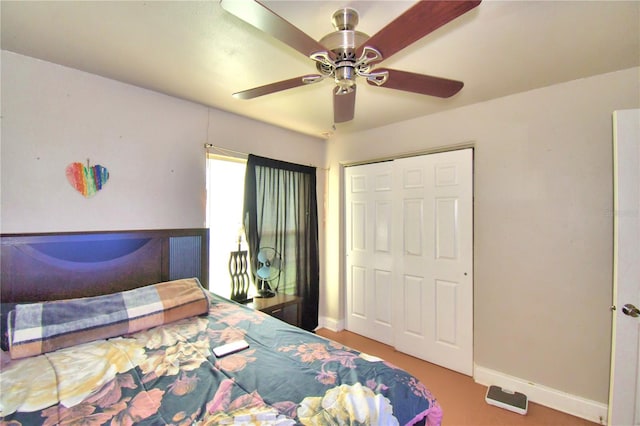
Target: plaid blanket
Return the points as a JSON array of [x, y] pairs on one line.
[[37, 328]]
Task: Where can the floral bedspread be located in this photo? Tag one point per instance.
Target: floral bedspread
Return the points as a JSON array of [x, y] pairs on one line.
[[169, 375]]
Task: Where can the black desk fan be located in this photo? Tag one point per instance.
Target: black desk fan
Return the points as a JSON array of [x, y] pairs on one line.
[[269, 269]]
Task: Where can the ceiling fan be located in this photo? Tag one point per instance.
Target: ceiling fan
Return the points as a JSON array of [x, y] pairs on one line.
[[346, 54]]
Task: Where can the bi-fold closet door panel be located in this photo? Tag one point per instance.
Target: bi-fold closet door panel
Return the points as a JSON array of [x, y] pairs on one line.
[[369, 215], [409, 255]]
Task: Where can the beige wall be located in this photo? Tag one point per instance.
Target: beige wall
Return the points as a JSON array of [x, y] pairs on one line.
[[152, 145], [542, 218], [53, 116]]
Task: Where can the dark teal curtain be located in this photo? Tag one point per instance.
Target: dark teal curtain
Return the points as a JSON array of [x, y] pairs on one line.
[[280, 212]]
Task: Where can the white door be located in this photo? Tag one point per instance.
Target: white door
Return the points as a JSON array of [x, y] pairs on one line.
[[368, 190], [434, 259], [624, 395], [409, 256]]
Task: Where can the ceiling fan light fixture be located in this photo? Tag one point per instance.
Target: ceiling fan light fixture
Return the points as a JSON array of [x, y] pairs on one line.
[[345, 78]]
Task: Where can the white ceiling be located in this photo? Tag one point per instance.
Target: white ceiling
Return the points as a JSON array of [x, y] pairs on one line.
[[197, 51]]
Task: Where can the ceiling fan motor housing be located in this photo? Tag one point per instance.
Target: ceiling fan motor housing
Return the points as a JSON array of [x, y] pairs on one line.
[[345, 19], [343, 42]]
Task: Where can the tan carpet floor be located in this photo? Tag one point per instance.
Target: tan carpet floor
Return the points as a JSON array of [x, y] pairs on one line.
[[462, 399]]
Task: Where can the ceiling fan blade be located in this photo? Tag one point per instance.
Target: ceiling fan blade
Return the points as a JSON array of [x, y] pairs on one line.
[[420, 83], [415, 23], [278, 86], [261, 17], [344, 106]]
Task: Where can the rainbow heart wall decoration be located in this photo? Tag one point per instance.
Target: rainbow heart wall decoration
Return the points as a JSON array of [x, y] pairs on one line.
[[87, 180]]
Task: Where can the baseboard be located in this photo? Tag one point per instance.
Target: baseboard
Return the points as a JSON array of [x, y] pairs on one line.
[[330, 324], [552, 398]]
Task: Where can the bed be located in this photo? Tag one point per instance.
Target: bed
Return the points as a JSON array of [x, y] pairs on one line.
[[141, 352]]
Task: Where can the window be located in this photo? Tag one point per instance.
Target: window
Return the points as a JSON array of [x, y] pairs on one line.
[[274, 204], [225, 192]]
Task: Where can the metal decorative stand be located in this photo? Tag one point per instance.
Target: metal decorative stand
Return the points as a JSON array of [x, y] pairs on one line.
[[239, 276]]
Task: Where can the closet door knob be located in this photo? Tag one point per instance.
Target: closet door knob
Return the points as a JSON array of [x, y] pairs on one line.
[[631, 310]]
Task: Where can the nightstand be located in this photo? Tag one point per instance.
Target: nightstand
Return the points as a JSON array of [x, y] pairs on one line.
[[286, 307]]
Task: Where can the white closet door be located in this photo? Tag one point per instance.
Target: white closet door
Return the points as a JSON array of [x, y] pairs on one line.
[[409, 256], [369, 213], [433, 259]]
